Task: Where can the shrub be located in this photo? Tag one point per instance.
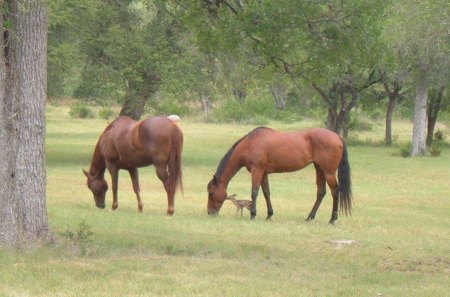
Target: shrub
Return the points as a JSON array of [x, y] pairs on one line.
[[405, 150], [80, 238], [169, 107], [439, 136], [80, 110], [106, 113], [435, 150]]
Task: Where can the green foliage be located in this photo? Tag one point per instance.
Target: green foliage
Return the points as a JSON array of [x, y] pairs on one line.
[[438, 143], [168, 107], [80, 238], [406, 149], [81, 110], [106, 113], [246, 113], [359, 124]]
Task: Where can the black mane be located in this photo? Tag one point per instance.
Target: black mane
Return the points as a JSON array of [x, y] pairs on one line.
[[227, 156]]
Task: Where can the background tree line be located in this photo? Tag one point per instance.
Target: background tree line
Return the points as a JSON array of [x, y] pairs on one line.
[[257, 59]]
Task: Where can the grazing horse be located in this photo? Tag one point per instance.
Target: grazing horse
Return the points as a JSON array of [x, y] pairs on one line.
[[128, 144], [264, 151]]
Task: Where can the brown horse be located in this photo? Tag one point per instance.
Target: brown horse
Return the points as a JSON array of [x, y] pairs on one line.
[[128, 144], [264, 151]]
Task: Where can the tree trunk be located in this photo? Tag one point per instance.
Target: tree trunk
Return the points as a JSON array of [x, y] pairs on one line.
[[206, 106], [138, 93], [389, 115], [279, 94], [133, 107], [240, 95], [393, 96], [433, 110], [419, 147], [23, 82]]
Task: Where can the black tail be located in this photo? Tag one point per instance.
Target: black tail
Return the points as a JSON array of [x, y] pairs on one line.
[[345, 184]]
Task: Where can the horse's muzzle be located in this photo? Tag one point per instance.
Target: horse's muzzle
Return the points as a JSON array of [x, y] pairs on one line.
[[102, 206], [212, 212]]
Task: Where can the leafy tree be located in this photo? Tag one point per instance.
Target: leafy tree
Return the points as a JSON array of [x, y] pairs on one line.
[[419, 31], [328, 45]]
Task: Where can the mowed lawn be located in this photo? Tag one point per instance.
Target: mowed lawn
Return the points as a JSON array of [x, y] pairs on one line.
[[400, 225]]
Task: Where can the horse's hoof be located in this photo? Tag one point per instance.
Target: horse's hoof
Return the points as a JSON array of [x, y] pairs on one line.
[[140, 208], [170, 212], [331, 222], [269, 218]]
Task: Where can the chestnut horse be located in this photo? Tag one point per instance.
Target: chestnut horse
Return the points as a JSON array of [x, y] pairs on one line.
[[264, 151], [128, 144]]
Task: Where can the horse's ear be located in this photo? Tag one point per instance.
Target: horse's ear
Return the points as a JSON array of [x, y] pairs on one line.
[[214, 180], [85, 173]]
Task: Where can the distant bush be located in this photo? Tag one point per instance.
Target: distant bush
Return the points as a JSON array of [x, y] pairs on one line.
[[438, 142], [250, 112], [435, 150], [405, 150], [169, 107], [358, 124], [106, 113], [81, 110]]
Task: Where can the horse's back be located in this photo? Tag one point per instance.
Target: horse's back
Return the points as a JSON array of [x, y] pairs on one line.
[[326, 146], [290, 151], [130, 143]]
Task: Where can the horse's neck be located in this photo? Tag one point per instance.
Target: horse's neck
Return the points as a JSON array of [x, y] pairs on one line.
[[98, 165], [230, 171]]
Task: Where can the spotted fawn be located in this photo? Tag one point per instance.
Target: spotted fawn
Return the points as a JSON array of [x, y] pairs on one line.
[[240, 204]]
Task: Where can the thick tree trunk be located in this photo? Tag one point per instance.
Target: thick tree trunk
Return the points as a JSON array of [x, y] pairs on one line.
[[23, 80], [419, 147], [133, 107]]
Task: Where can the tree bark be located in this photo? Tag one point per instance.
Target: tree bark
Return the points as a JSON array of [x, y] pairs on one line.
[[133, 107], [279, 94], [393, 96], [23, 83], [434, 107], [419, 147]]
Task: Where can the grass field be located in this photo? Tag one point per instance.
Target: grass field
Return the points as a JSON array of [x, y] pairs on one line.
[[401, 225]]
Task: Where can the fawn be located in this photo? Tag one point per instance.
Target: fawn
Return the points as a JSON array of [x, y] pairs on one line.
[[240, 204]]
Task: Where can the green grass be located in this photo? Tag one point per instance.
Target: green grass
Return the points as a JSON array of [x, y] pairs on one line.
[[401, 223]]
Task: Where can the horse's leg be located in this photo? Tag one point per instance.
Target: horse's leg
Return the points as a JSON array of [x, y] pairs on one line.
[[332, 183], [115, 181], [135, 180], [321, 190], [163, 175], [266, 192], [257, 175]]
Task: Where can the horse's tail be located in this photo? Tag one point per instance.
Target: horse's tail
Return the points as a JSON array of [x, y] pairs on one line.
[[345, 184], [174, 164]]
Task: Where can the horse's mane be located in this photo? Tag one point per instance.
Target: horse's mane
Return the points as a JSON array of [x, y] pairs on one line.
[[227, 156]]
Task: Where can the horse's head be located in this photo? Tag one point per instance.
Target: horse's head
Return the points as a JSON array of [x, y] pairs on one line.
[[217, 193], [98, 186]]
